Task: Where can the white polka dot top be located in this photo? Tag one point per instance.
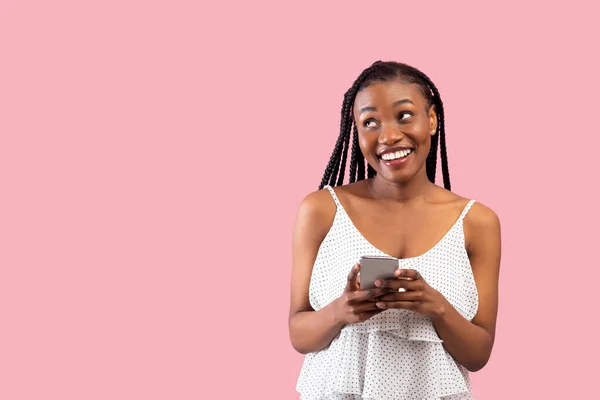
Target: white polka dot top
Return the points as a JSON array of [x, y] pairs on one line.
[[397, 354]]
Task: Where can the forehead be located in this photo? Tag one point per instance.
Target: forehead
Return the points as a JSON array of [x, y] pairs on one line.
[[386, 93]]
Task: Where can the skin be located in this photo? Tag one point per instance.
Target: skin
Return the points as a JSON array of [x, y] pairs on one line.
[[403, 214]]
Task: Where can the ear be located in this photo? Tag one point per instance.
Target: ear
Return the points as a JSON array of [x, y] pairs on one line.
[[433, 121]]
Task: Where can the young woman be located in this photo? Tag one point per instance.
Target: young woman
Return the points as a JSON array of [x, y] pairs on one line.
[[418, 335]]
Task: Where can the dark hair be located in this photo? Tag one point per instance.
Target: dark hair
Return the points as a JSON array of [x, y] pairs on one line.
[[383, 72]]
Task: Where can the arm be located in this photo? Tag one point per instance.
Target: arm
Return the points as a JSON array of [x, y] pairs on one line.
[[470, 343], [310, 330]]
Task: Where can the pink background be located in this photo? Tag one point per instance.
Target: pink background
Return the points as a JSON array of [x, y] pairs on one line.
[[153, 155]]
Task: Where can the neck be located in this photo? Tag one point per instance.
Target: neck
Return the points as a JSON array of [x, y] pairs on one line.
[[399, 192]]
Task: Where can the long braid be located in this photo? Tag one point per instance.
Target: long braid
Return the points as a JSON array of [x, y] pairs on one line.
[[353, 160], [443, 152], [340, 181], [337, 150], [331, 172], [345, 135], [370, 171], [431, 162], [440, 133], [360, 159], [332, 161]]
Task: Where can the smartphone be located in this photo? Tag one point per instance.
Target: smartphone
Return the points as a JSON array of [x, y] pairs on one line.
[[376, 267]]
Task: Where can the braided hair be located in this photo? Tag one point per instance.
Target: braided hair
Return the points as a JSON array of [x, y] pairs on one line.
[[383, 72]]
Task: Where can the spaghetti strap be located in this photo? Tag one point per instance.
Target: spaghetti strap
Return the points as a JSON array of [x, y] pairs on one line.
[[466, 210], [335, 198]]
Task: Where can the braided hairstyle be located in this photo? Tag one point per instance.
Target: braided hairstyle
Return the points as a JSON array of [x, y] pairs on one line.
[[383, 72]]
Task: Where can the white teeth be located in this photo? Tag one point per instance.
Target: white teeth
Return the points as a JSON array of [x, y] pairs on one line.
[[396, 155]]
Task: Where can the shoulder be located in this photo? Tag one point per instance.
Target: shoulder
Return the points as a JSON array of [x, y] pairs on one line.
[[450, 202], [321, 203], [481, 217], [317, 204], [317, 210], [482, 228], [481, 223], [316, 213], [478, 216]]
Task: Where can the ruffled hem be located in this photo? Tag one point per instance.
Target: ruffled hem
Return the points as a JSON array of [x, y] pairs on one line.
[[365, 365], [402, 323], [350, 396]]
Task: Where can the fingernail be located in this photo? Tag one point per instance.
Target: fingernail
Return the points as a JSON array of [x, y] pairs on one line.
[[380, 305], [377, 283], [401, 272]]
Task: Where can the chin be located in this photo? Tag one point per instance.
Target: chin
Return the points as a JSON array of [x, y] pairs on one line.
[[396, 178]]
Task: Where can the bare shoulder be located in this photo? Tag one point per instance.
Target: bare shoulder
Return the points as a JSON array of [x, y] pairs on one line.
[[316, 213], [481, 217], [479, 214], [349, 190], [482, 229], [445, 197], [318, 204], [481, 223]]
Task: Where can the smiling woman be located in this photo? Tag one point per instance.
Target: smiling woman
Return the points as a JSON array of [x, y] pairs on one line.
[[418, 334]]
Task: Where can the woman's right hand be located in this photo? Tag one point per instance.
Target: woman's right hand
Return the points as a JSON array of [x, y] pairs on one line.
[[356, 305]]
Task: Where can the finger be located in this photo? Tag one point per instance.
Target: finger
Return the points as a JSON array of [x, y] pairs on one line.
[[364, 307], [364, 295], [406, 305], [368, 314], [395, 284], [408, 274], [401, 296], [351, 281]]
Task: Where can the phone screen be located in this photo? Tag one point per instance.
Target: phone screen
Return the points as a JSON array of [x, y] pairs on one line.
[[376, 267]]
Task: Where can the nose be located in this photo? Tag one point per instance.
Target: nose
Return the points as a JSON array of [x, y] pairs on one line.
[[390, 135]]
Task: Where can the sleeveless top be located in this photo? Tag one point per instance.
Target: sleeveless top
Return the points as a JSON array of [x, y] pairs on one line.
[[396, 354]]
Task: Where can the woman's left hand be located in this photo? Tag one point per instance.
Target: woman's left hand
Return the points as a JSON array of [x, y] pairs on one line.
[[418, 295]]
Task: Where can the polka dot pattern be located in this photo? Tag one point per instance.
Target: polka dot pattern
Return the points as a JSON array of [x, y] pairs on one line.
[[396, 354]]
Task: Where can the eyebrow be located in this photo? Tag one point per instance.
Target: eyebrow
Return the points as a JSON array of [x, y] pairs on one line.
[[396, 103]]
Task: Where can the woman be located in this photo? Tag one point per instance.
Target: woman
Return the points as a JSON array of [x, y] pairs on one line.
[[418, 335]]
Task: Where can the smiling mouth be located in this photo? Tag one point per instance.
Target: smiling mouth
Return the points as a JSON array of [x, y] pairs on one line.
[[396, 155]]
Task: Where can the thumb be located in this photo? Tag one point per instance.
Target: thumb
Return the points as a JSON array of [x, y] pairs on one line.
[[353, 278]]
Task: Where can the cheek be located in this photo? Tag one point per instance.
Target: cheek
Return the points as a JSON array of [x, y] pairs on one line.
[[425, 147], [367, 143], [421, 130], [421, 134]]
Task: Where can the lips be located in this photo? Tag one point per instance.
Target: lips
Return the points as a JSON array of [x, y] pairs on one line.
[[392, 149], [393, 156], [390, 156]]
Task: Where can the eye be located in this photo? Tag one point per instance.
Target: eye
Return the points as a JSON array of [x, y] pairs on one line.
[[404, 116], [370, 124]]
